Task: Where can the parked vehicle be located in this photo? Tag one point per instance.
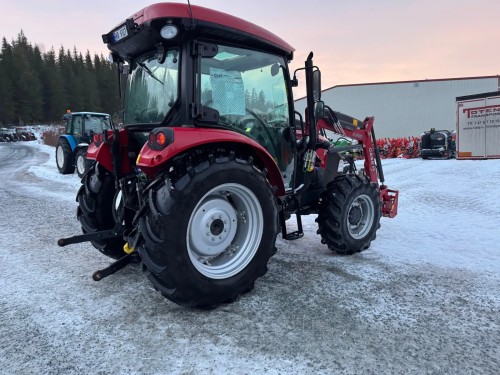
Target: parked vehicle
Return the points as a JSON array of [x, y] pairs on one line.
[[72, 146], [437, 144], [5, 135], [478, 126], [9, 135], [200, 179]]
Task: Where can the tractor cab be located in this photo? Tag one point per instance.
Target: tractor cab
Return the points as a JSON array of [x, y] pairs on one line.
[[83, 125], [72, 145], [188, 68]]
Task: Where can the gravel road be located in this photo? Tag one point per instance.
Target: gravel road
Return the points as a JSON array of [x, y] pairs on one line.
[[409, 304]]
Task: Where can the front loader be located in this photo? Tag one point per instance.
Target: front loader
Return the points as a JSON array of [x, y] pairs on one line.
[[212, 158]]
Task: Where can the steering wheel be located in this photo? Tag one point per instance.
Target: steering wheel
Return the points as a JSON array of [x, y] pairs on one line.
[[263, 126], [145, 114]]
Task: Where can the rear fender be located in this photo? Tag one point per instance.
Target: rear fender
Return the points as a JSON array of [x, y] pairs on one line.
[[71, 140], [101, 152], [151, 162]]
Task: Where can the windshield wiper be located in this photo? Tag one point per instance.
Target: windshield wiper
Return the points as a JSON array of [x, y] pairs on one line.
[[150, 73]]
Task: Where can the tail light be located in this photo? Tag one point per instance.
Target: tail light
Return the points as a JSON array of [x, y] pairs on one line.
[[98, 138], [160, 138]]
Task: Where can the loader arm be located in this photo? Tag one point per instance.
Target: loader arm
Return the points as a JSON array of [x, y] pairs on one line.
[[364, 133]]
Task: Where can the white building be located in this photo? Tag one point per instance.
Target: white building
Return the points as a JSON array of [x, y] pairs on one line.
[[405, 108]]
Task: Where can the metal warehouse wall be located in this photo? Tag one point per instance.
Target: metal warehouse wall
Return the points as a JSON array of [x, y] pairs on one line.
[[408, 108]]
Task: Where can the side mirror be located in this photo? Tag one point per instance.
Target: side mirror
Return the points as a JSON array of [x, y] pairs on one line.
[[275, 69], [319, 109], [316, 82]]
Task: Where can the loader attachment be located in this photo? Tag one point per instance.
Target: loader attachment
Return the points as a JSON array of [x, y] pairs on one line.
[[389, 199]]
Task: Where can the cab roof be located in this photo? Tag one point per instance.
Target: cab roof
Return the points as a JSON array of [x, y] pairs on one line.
[[205, 20], [86, 113]]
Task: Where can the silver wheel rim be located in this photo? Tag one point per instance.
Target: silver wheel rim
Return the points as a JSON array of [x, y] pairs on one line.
[[80, 164], [360, 216], [225, 231], [60, 156], [117, 205]]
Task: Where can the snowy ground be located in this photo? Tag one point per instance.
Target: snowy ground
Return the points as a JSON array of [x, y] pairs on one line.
[[425, 298]]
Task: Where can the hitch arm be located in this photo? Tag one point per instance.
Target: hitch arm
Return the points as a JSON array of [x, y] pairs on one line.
[[100, 235], [114, 267]]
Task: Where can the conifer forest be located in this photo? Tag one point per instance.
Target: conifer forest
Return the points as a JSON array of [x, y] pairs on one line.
[[40, 86]]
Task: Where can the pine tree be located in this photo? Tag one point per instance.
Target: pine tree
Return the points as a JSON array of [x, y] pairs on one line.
[[36, 86], [27, 87], [91, 100], [261, 101], [7, 105], [53, 88]]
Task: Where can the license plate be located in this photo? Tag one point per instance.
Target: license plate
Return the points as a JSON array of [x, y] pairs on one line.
[[120, 33]]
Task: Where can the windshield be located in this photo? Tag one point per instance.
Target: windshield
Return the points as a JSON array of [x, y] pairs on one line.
[[242, 84], [249, 91], [151, 89], [96, 124]]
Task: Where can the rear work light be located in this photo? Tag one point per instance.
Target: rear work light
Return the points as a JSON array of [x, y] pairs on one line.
[[160, 138]]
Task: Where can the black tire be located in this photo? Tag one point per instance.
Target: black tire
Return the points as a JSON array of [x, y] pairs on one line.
[[96, 199], [349, 214], [81, 162], [64, 157], [200, 207]]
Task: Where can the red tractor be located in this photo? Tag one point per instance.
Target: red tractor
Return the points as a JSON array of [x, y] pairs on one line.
[[212, 158]]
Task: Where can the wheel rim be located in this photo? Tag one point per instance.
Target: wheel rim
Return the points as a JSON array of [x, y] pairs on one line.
[[80, 164], [224, 231], [360, 216], [118, 204], [60, 156]]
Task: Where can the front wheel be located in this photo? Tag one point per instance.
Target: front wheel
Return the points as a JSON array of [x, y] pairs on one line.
[[81, 162], [208, 237], [349, 214]]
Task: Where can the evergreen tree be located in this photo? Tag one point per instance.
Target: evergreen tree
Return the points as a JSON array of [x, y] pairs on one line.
[[27, 87], [107, 85], [261, 101], [91, 100], [7, 104], [248, 102], [254, 99], [53, 88], [36, 86]]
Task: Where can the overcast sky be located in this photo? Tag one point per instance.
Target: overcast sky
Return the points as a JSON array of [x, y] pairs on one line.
[[353, 41]]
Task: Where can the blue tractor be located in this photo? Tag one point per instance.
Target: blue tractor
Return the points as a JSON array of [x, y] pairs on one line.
[[72, 145]]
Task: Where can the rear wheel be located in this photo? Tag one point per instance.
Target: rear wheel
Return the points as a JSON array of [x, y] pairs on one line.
[[349, 214], [208, 237], [97, 206], [64, 157]]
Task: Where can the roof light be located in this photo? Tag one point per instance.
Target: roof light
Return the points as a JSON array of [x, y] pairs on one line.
[[169, 31]]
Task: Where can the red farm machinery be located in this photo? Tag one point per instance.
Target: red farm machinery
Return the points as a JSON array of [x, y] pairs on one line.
[[212, 158]]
